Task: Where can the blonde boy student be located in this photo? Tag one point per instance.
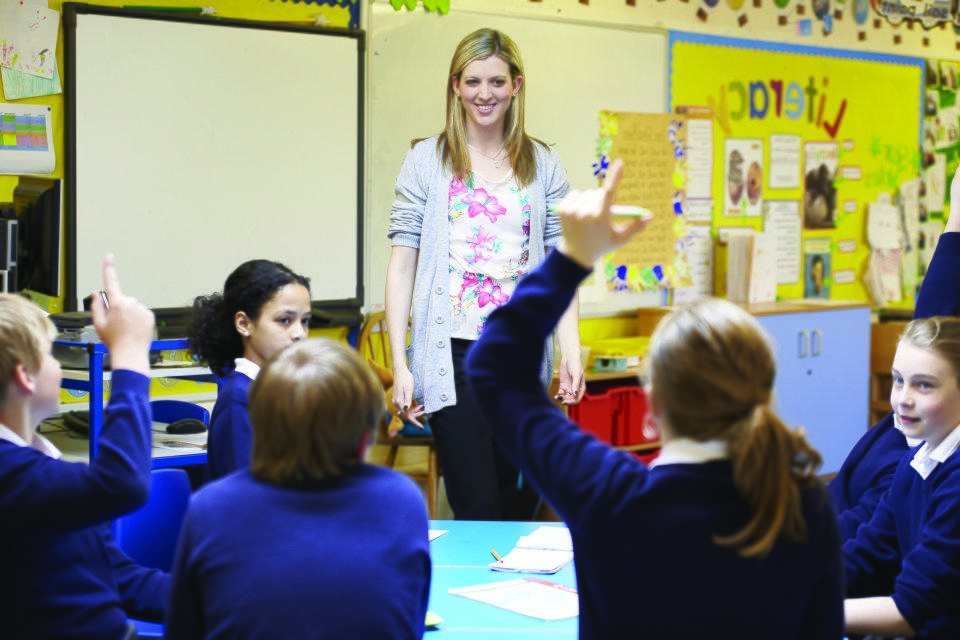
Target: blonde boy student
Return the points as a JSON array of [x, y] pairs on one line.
[[62, 576]]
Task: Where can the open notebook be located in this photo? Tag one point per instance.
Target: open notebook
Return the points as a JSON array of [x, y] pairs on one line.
[[545, 551]]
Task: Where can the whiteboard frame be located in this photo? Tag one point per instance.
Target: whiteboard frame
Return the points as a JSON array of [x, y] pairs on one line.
[[308, 235]]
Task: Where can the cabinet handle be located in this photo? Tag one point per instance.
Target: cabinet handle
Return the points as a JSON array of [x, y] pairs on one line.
[[802, 344], [816, 342]]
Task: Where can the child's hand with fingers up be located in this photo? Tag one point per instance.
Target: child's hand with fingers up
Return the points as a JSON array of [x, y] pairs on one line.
[[588, 228], [124, 325]]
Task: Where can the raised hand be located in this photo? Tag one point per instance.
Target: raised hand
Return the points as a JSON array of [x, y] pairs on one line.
[[125, 326], [588, 228]]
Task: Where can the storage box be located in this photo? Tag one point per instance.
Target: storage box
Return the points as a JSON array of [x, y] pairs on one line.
[[633, 348], [633, 428], [598, 414]]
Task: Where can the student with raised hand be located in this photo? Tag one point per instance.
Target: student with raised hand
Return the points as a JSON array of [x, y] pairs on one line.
[[309, 542], [728, 534], [867, 471], [62, 575], [913, 535], [263, 308]]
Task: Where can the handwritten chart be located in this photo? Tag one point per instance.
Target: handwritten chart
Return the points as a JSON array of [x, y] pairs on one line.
[[653, 148]]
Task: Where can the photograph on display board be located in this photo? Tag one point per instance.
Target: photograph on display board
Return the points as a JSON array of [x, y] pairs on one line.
[[819, 190], [743, 173], [817, 280], [948, 75]]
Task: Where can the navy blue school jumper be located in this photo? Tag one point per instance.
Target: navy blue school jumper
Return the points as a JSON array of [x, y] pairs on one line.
[[343, 558], [230, 439], [868, 469], [61, 575], [646, 562], [914, 534]]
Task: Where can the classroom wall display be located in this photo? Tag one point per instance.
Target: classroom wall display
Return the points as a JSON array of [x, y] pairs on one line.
[[195, 144], [573, 71], [834, 128], [26, 140], [653, 149]]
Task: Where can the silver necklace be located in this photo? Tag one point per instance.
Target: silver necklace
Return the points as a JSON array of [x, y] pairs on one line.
[[496, 158]]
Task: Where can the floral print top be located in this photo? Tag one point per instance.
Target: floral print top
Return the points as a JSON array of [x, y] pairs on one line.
[[489, 248]]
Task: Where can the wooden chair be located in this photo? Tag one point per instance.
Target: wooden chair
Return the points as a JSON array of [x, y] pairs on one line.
[[373, 343], [883, 345]]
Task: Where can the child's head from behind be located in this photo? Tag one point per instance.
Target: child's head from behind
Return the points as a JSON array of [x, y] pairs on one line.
[[925, 394], [25, 336], [711, 372], [710, 367], [264, 306], [312, 408]]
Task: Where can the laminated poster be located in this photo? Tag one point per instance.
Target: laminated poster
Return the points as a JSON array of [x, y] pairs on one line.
[[653, 148], [26, 139]]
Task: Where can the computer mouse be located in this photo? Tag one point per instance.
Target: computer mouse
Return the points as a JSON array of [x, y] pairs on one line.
[[186, 425]]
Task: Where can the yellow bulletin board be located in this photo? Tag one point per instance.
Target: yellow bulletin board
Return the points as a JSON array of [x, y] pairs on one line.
[[817, 133]]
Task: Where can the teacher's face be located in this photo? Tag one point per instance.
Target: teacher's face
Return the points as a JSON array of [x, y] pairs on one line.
[[485, 89]]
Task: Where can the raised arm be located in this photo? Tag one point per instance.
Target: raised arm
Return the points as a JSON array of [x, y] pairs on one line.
[[52, 495], [940, 292], [503, 368]]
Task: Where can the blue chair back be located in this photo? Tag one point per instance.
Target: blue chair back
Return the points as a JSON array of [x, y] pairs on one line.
[[173, 410], [149, 536]]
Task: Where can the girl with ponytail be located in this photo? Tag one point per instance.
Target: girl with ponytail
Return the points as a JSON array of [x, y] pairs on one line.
[[728, 534]]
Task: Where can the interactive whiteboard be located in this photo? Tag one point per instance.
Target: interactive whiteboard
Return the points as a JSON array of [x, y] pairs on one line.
[[196, 143]]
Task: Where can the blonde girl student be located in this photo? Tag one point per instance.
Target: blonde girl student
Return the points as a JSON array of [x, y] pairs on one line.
[[264, 307], [472, 216], [912, 541], [728, 534], [868, 469]]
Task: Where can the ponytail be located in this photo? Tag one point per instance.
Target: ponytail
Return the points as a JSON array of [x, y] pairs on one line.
[[771, 463]]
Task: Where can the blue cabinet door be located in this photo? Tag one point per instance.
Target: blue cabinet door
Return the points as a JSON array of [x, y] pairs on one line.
[[822, 383]]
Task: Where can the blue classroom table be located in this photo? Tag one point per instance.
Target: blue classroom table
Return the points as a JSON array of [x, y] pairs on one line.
[[460, 558]]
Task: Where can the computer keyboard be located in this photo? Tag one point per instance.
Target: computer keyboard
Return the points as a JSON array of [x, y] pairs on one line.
[[77, 421]]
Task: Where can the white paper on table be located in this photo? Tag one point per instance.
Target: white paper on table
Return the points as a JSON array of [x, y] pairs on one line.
[[541, 561], [532, 597], [544, 537]]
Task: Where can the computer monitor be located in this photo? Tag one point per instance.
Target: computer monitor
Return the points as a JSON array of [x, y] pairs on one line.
[[37, 205]]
